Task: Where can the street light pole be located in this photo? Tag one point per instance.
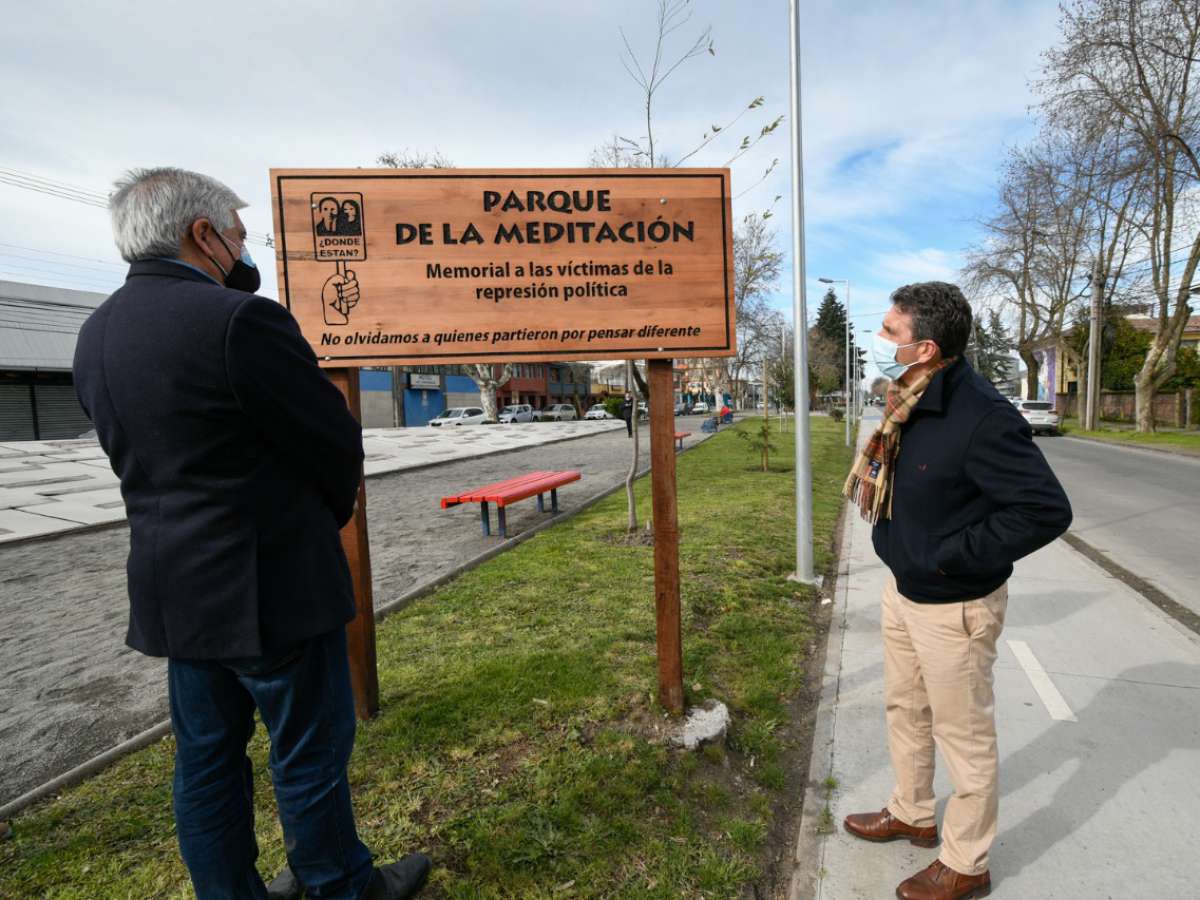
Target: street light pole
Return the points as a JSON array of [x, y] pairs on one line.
[[861, 373], [803, 472], [846, 392]]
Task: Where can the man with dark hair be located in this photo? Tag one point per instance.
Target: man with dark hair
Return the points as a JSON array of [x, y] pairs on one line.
[[957, 491], [239, 462]]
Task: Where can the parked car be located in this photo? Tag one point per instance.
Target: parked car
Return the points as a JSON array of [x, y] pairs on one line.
[[459, 415], [678, 408], [598, 411], [1040, 415], [517, 412], [700, 407], [558, 412]]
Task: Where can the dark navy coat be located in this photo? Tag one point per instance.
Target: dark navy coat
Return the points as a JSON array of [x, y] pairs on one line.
[[972, 493], [238, 459]]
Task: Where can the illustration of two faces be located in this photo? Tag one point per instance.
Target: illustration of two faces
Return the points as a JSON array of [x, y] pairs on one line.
[[344, 219]]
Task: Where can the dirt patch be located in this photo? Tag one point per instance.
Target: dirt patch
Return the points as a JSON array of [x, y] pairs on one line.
[[797, 735]]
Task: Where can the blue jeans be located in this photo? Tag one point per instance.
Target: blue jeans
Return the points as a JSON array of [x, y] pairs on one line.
[[305, 702]]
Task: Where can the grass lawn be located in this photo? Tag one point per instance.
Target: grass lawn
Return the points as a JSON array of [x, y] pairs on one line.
[[1184, 442], [519, 741]]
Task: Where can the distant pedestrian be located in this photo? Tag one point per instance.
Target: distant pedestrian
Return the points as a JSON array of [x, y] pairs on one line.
[[238, 462], [957, 491], [628, 412]]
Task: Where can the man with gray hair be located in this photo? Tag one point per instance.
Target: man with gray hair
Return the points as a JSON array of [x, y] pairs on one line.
[[239, 462]]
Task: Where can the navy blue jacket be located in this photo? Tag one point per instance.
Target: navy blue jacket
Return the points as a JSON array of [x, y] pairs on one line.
[[239, 462], [972, 493]]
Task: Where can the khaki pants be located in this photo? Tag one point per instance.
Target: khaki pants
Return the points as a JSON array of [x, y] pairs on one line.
[[938, 660]]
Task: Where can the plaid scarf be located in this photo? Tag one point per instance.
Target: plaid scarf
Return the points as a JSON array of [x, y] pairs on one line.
[[870, 481]]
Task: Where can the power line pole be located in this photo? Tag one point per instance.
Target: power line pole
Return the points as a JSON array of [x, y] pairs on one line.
[[804, 526], [1093, 363]]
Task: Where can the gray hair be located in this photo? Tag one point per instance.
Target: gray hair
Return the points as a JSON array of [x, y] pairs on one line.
[[152, 209]]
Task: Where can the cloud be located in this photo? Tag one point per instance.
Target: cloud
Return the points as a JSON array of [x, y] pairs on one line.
[[906, 266], [907, 106]]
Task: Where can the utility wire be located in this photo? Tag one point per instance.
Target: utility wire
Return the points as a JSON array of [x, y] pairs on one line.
[[106, 262], [56, 263], [62, 190]]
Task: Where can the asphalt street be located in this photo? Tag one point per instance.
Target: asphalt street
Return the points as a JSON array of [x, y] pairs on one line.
[[1140, 507]]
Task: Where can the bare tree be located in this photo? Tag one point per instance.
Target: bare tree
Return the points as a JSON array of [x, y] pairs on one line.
[[651, 74], [1103, 172], [485, 375], [1011, 259], [1131, 64], [413, 159], [756, 266]]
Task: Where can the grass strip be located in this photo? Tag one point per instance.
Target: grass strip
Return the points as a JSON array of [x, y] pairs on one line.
[[519, 741], [1186, 443]]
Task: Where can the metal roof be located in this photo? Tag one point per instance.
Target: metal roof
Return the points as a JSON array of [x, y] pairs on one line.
[[39, 325]]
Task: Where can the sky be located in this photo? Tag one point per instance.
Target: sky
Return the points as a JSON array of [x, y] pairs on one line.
[[908, 109]]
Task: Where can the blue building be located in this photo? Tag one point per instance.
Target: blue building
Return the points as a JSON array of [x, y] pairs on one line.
[[421, 396]]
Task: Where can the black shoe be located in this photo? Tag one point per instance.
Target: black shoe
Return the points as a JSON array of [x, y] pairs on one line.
[[400, 880], [285, 886]]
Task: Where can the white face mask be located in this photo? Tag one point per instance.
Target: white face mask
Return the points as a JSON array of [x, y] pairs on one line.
[[883, 353]]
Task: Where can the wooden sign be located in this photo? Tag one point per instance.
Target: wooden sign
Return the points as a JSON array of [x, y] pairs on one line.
[[421, 266]]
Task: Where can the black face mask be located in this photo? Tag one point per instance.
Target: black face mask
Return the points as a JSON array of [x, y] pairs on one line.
[[243, 274]]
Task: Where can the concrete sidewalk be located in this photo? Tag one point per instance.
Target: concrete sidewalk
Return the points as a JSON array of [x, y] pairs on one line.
[[51, 487], [1100, 752]]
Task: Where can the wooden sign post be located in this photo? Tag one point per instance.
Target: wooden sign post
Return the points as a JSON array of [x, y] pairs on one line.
[[360, 633], [391, 267], [665, 509]]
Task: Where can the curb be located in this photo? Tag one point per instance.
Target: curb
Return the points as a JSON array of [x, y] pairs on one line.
[[809, 856], [87, 769], [1182, 617], [159, 730]]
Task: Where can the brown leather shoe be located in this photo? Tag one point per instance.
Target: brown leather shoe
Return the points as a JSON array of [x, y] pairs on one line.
[[883, 826], [940, 882]]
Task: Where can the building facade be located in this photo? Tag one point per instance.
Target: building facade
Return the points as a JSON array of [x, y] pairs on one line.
[[38, 329]]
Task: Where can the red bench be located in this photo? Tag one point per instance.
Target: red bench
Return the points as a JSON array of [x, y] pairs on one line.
[[679, 436], [505, 493]]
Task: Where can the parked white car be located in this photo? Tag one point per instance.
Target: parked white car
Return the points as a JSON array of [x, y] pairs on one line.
[[559, 412], [598, 412], [517, 412], [1040, 415], [700, 407], [459, 415]]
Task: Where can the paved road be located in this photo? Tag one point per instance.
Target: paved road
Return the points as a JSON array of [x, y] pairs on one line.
[[1098, 752], [69, 688], [1140, 507]]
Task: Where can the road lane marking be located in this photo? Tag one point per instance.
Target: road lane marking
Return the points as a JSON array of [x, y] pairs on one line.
[[1051, 698]]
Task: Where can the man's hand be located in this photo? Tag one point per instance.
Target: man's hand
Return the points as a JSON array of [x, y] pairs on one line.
[[339, 296]]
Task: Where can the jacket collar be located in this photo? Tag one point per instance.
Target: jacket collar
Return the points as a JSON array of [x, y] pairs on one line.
[[168, 269], [935, 396]]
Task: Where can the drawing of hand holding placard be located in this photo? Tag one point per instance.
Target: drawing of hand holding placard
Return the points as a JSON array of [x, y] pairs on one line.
[[339, 296], [339, 236]]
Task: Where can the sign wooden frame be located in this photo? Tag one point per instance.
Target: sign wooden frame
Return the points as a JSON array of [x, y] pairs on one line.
[[334, 211], [671, 285]]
